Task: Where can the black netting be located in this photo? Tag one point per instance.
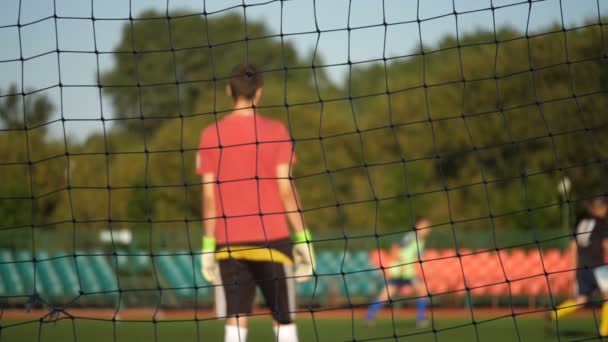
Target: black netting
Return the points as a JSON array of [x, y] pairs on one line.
[[485, 117]]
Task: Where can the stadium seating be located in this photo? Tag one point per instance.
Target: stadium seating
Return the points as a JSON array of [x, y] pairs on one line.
[[122, 261], [3, 289], [348, 274], [47, 275], [176, 282], [86, 273], [354, 275], [65, 269], [190, 265], [105, 273], [485, 273], [311, 291], [25, 267], [10, 276], [135, 262]]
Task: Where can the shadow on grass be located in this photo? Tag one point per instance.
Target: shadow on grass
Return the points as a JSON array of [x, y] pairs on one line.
[[578, 335]]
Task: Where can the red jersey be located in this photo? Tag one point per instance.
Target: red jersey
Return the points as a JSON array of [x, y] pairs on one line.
[[243, 152]]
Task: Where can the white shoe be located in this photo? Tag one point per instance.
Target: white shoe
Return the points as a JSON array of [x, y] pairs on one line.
[[422, 324]]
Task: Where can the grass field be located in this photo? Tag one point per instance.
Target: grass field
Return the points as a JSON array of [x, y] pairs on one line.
[[504, 329]]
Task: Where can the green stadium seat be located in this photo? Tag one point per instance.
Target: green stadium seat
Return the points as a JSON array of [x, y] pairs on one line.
[[167, 264], [105, 273], [329, 272], [350, 274], [190, 266], [357, 261], [362, 260], [25, 266], [141, 261], [121, 261], [328, 262], [10, 275], [312, 290], [3, 289], [47, 275], [86, 273], [97, 277], [66, 271], [183, 262], [131, 262], [361, 284]]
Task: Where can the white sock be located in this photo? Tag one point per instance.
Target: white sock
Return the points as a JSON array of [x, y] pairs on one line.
[[286, 333], [233, 333]]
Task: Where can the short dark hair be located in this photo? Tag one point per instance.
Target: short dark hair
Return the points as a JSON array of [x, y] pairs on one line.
[[245, 80]]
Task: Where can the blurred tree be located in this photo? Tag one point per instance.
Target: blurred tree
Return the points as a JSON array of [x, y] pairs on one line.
[[501, 122], [169, 83], [167, 68], [13, 116], [22, 144], [478, 129]]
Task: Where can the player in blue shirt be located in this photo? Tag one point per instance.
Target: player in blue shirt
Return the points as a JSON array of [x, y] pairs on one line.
[[402, 273]]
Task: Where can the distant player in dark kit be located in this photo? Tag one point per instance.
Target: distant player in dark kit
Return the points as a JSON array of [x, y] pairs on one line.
[[589, 249], [402, 273], [245, 162]]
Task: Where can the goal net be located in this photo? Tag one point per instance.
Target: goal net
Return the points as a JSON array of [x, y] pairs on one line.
[[485, 118]]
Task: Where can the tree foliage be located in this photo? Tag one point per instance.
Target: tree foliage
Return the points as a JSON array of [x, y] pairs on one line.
[[467, 131]]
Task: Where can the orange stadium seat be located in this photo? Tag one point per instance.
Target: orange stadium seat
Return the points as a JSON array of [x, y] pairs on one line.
[[561, 283], [434, 275], [437, 287], [495, 277], [552, 256], [534, 264], [380, 257], [513, 264], [517, 287], [486, 272], [430, 254], [495, 265], [447, 253], [564, 263], [498, 289]]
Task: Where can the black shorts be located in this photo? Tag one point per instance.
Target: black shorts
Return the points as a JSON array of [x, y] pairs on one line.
[[240, 275], [586, 281], [401, 283]]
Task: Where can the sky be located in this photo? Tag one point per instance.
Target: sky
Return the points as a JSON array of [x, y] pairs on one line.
[[67, 24]]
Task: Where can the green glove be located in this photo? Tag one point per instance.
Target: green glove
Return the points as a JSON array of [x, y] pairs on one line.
[[208, 262]]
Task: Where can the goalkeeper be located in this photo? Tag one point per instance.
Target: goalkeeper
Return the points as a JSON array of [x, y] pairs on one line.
[[589, 250], [245, 161], [402, 273]]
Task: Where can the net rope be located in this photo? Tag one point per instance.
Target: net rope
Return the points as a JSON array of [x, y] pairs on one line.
[[499, 125]]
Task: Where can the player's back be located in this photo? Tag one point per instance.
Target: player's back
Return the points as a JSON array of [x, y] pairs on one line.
[[248, 149], [243, 153], [590, 232]]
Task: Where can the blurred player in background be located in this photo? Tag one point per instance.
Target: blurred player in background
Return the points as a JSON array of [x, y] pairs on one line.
[[402, 273], [589, 249], [245, 163]]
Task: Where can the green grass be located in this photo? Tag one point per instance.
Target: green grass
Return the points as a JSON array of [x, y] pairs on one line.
[[504, 329]]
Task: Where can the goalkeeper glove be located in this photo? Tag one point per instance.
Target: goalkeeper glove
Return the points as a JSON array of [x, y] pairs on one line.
[[208, 262], [303, 255]]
